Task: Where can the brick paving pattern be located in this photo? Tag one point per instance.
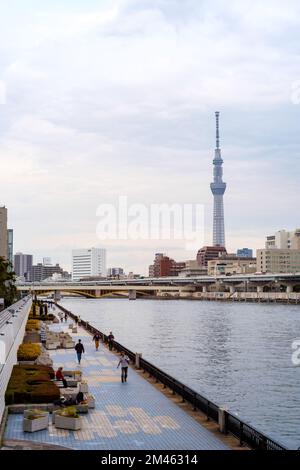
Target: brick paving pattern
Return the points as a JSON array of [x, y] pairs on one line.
[[127, 416]]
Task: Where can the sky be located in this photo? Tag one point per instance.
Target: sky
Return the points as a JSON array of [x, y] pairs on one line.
[[102, 98]]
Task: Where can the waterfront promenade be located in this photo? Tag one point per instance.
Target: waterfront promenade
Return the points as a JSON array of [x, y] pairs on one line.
[[129, 416]]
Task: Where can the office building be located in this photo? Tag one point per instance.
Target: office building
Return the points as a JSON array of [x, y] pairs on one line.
[[10, 247], [164, 266], [88, 262], [39, 272], [208, 253], [47, 261], [3, 232], [276, 260], [115, 272], [244, 253], [284, 240], [192, 268], [227, 265], [22, 265]]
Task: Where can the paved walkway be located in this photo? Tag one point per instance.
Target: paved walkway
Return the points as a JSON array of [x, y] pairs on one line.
[[132, 415]]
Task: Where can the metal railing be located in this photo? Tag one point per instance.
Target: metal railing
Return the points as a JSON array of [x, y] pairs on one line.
[[244, 432]]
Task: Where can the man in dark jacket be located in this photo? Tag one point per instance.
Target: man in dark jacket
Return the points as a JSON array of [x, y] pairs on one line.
[[79, 350]]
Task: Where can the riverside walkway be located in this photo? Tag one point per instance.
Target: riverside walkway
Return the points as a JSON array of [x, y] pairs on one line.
[[128, 416]]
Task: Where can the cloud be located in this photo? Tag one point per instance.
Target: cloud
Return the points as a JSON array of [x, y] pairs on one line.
[[110, 98]]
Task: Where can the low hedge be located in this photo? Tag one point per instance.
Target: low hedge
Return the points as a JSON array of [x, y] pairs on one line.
[[31, 384], [28, 352], [33, 325], [49, 317]]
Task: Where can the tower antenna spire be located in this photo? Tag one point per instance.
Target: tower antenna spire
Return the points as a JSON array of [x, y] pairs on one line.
[[217, 130], [218, 188]]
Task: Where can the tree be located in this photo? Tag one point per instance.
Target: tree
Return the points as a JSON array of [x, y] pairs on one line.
[[8, 290]]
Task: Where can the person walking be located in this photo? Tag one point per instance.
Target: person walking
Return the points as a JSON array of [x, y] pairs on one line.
[[97, 341], [110, 340], [60, 376], [124, 361], [79, 350], [66, 317], [76, 320]]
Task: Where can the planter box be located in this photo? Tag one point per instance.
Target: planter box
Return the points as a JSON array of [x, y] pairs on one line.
[[78, 375], [83, 387], [73, 374], [91, 401], [33, 425], [52, 345], [69, 392], [71, 382], [68, 344], [64, 422], [82, 408]]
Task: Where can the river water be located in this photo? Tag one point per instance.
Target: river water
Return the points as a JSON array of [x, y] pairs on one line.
[[236, 354]]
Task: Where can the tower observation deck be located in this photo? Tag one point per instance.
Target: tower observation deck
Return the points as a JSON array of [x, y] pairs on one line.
[[218, 188]]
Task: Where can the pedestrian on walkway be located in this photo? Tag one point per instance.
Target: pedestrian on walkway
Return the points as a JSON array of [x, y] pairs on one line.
[[61, 316], [97, 341], [124, 361], [76, 320], [110, 340], [66, 317], [79, 320], [79, 350]]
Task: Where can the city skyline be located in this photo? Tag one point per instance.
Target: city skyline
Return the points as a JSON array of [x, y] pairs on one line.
[[147, 115]]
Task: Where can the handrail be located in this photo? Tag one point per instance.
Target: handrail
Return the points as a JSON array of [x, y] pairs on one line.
[[243, 431]]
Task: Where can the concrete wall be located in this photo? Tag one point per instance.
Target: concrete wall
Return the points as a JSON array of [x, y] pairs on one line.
[[10, 339]]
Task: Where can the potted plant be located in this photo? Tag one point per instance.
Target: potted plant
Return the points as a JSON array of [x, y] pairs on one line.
[[35, 420], [90, 400], [67, 418], [83, 386]]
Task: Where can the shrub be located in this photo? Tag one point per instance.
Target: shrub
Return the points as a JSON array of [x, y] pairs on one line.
[[28, 352], [49, 317], [31, 384], [69, 412], [35, 414], [33, 325]]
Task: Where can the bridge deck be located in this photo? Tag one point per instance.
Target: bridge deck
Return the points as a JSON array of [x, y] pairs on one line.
[[133, 415]]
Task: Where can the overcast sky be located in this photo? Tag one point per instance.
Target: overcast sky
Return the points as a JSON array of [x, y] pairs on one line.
[[117, 97]]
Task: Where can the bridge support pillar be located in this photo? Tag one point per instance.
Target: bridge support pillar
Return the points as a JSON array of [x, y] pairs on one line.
[[231, 289], [260, 289], [204, 288], [289, 289], [57, 296], [132, 295]]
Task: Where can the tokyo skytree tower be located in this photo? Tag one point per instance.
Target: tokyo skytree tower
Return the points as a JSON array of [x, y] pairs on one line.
[[218, 189]]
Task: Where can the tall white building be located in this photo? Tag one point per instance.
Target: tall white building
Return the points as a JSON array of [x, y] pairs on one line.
[[284, 240], [88, 262]]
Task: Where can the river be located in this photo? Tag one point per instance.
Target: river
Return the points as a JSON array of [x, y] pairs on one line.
[[236, 354]]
